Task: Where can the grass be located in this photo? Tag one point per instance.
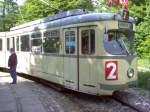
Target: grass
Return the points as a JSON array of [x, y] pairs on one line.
[[142, 79], [144, 63], [143, 75]]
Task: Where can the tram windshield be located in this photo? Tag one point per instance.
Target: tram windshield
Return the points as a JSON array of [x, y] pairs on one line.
[[119, 42]]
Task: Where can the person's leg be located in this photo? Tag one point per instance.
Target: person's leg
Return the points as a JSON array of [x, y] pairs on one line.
[[13, 74]]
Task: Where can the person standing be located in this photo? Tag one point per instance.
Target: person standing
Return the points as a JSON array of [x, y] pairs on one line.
[[12, 64]]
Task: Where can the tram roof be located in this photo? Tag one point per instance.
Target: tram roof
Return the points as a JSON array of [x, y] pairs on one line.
[[71, 17]]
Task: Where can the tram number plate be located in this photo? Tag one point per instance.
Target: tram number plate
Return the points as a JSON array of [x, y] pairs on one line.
[[111, 70]]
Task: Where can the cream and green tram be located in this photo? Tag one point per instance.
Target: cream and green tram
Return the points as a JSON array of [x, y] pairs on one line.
[[84, 51]]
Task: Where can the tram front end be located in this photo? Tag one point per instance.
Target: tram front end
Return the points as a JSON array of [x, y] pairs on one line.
[[119, 60]]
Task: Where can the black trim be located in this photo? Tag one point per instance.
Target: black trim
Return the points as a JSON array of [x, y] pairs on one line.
[[89, 85], [78, 57]]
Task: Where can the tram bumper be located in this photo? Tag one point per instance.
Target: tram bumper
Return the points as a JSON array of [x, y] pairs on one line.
[[118, 86]]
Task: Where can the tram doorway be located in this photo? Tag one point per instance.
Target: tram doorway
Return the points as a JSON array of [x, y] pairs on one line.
[[70, 58]]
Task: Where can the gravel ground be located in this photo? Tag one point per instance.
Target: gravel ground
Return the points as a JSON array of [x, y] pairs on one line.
[[69, 101], [140, 92]]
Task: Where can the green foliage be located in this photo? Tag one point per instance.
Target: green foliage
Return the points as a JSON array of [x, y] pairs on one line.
[[33, 9], [8, 17], [143, 32]]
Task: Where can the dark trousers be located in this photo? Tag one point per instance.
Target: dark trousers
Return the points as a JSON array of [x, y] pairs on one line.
[[13, 74]]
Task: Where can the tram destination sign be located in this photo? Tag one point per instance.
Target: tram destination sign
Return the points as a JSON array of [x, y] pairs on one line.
[[125, 25]]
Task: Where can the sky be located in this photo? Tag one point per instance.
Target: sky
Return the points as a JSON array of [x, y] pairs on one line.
[[20, 2]]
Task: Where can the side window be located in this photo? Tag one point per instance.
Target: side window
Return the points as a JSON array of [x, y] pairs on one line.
[[1, 44], [51, 41], [13, 42], [36, 42], [70, 42], [8, 44], [88, 41], [25, 43], [17, 43]]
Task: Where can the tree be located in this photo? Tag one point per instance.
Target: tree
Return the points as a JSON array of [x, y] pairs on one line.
[[8, 11], [33, 9]]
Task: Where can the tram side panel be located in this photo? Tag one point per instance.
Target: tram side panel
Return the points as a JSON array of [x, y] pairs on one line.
[[48, 64], [52, 69]]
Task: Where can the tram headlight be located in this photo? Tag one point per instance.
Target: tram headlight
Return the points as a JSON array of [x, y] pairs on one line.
[[130, 72]]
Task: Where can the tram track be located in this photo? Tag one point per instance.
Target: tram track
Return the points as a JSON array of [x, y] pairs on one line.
[[139, 103]]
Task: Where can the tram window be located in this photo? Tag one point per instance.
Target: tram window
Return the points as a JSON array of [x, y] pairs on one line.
[[1, 44], [25, 43], [36, 35], [88, 41], [17, 43], [70, 42], [36, 42], [13, 42], [51, 42], [8, 44]]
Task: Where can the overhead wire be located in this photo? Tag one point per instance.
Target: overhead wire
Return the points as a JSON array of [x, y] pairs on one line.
[[48, 4]]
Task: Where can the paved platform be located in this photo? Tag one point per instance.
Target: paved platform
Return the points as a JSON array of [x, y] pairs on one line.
[[19, 97]]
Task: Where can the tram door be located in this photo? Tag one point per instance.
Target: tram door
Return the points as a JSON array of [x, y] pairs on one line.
[[87, 61], [70, 58]]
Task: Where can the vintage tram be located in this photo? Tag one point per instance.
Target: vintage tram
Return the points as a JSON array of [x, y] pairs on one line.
[[84, 51]]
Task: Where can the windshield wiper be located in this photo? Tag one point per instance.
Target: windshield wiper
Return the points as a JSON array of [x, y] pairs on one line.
[[127, 51], [120, 45]]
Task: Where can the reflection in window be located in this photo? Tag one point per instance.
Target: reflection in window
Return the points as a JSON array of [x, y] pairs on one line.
[[36, 42], [17, 43], [8, 44], [88, 41], [52, 41], [1, 44], [36, 35], [25, 43], [70, 42]]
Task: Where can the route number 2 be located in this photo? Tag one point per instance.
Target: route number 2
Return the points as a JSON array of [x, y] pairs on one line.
[[111, 70]]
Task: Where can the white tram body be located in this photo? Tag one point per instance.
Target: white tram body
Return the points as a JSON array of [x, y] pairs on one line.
[[84, 51]]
